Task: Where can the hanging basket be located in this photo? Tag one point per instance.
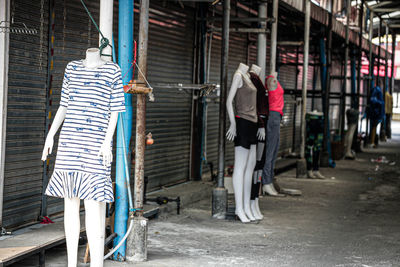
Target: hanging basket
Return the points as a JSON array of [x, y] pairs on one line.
[[134, 87]]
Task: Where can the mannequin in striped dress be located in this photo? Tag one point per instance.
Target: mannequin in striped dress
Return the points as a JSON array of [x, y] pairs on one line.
[[91, 98]]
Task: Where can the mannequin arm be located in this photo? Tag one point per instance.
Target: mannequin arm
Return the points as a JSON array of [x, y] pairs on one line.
[[236, 83], [261, 134], [105, 149], [58, 120]]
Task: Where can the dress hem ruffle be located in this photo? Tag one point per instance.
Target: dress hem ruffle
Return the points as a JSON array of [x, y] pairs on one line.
[[86, 186]]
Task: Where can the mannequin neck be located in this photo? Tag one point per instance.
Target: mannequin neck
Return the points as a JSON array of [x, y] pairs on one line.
[[243, 68], [272, 83], [255, 69], [93, 59], [316, 113]]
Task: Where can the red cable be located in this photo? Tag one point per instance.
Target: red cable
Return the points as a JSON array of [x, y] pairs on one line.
[[134, 61]]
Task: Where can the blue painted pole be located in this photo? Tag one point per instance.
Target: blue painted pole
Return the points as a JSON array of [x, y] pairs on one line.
[[125, 59], [325, 101], [353, 81]]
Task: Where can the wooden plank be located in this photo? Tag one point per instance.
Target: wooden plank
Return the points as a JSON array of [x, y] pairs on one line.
[[41, 237], [32, 241], [9, 253]]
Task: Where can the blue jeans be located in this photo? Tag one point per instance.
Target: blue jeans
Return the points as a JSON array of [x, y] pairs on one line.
[[272, 146]]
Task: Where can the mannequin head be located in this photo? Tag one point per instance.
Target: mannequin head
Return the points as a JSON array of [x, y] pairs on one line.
[[243, 68], [272, 82], [255, 69]]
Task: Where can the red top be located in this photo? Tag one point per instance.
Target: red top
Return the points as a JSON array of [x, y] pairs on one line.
[[275, 97]]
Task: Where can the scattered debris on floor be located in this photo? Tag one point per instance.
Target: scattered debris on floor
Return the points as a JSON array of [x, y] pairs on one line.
[[383, 160]]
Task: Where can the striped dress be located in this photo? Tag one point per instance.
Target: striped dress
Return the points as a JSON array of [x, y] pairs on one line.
[[90, 95]]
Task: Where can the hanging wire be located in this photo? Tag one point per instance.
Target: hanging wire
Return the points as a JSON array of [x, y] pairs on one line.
[[104, 42], [16, 28]]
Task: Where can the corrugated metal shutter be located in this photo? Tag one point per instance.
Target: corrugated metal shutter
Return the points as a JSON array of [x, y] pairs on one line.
[[25, 114], [170, 60], [287, 78]]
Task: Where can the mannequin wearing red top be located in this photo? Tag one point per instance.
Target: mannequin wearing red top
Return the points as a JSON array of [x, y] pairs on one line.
[[276, 104]]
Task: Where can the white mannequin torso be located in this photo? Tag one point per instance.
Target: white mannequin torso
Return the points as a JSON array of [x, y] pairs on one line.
[[245, 159], [237, 82]]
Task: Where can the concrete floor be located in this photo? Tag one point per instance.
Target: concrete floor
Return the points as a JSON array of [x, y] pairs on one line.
[[350, 219]]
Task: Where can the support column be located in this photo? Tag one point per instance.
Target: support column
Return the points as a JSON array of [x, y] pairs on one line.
[[379, 53], [360, 38], [106, 26], [326, 160], [393, 61], [370, 70], [262, 39], [296, 76], [125, 59], [137, 241], [301, 163], [353, 79], [389, 124], [220, 194], [346, 61], [274, 34], [386, 59], [49, 93], [359, 61], [382, 134], [4, 48]]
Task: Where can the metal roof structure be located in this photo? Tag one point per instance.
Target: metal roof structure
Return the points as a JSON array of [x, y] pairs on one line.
[[386, 10]]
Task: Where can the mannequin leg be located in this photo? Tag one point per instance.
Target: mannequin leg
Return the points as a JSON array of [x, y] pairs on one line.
[[373, 132], [248, 178], [260, 157], [271, 143], [95, 230], [316, 159], [255, 187], [241, 156], [72, 228], [275, 154], [349, 140]]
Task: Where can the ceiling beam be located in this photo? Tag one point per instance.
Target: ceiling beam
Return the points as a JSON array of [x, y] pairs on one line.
[[380, 4], [386, 10]]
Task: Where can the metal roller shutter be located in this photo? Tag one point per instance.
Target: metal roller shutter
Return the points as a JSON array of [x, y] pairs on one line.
[[170, 60], [25, 114], [287, 78]]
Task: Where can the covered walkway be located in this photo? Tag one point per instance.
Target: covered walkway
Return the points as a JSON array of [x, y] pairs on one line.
[[351, 220]]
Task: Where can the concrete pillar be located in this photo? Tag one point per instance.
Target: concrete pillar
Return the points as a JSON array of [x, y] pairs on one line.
[[301, 163], [274, 34], [220, 194], [262, 40], [4, 47]]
